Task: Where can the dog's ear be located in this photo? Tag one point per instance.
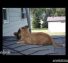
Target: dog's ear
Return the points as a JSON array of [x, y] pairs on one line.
[[15, 33], [19, 30], [26, 26]]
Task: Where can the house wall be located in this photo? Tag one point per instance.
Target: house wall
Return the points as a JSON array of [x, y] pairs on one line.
[[14, 21], [56, 26]]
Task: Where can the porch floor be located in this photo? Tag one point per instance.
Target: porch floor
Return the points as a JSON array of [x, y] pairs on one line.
[[10, 44]]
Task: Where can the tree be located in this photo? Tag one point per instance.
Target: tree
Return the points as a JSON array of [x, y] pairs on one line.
[[38, 15], [36, 22], [60, 11]]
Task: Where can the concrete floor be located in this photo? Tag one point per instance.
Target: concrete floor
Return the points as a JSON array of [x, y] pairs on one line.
[[9, 44]]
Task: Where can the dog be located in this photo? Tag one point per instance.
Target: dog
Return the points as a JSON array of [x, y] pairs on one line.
[[37, 38]]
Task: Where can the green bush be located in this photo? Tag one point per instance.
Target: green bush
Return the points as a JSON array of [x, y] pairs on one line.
[[45, 24], [36, 23]]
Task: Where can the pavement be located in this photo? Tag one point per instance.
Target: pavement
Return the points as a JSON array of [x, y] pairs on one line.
[[11, 46]]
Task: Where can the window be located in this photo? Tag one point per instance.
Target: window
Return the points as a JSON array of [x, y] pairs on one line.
[[4, 14], [22, 13]]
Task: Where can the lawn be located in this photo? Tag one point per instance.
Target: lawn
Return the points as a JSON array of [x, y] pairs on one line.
[[46, 31]]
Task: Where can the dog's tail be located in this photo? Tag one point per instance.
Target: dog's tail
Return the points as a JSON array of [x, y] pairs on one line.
[[58, 45]]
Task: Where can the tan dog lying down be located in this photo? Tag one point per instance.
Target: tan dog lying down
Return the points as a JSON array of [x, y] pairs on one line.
[[24, 36]]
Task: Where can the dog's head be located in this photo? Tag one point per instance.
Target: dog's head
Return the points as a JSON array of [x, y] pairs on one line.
[[22, 31], [17, 34]]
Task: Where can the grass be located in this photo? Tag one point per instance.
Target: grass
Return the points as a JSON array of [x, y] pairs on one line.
[[45, 30], [39, 28]]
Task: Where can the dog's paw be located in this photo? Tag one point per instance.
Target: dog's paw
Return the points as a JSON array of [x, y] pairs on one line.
[[20, 41]]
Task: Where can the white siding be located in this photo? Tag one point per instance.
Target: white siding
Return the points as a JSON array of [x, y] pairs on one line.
[[56, 26], [14, 21]]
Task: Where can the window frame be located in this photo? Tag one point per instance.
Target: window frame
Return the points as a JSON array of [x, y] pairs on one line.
[[5, 20], [23, 14], [4, 14]]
